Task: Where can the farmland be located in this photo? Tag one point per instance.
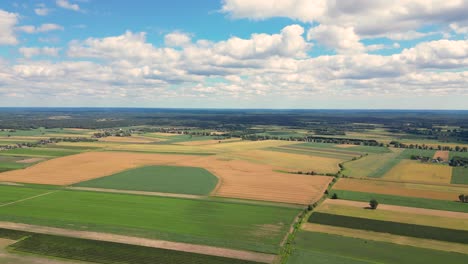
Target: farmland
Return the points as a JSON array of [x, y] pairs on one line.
[[214, 190], [229, 224], [158, 179]]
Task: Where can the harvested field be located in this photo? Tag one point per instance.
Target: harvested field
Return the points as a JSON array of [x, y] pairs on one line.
[[415, 171], [132, 139], [178, 149], [246, 145], [246, 180], [442, 154], [31, 160], [402, 215], [85, 166], [207, 142], [237, 178], [399, 188], [385, 237], [289, 161]]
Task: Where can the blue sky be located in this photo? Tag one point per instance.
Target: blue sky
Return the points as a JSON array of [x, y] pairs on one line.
[[411, 54]]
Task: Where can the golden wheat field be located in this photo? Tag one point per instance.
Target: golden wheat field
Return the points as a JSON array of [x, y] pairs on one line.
[[415, 171]]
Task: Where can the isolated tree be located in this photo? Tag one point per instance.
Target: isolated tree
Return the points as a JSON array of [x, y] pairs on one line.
[[373, 204], [334, 196], [463, 198]]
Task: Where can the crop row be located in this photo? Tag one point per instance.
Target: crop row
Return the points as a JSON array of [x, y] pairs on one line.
[[419, 231], [109, 252]]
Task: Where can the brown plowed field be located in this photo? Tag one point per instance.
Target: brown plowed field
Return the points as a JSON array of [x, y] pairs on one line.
[[237, 178], [443, 154], [394, 188]]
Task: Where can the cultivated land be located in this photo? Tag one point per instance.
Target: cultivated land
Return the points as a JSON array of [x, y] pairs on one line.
[[224, 224], [439, 192], [170, 179], [415, 171], [229, 185], [330, 248], [237, 178]]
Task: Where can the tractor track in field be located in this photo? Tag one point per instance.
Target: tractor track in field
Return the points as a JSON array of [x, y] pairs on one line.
[[138, 241]]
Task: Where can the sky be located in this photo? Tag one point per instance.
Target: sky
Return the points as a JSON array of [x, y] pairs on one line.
[[308, 54]]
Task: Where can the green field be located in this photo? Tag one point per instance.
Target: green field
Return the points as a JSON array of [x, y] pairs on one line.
[[10, 194], [311, 247], [41, 152], [403, 201], [234, 225], [12, 234], [171, 179], [453, 154], [401, 229], [372, 165], [111, 253], [459, 175]]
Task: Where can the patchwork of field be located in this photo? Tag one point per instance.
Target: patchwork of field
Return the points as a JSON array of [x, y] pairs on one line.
[[8, 162], [170, 179], [417, 202], [440, 192], [224, 224], [415, 171], [398, 214], [133, 139], [288, 161], [330, 248], [385, 237], [442, 154], [238, 179]]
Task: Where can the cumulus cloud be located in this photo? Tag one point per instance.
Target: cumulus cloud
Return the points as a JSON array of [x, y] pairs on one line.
[[440, 54], [29, 52], [177, 39], [42, 28], [7, 24], [41, 10], [67, 5], [343, 39], [396, 20]]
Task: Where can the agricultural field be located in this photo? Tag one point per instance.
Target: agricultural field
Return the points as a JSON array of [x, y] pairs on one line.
[[199, 188], [415, 171], [330, 248], [224, 224], [459, 175], [158, 179], [439, 192]]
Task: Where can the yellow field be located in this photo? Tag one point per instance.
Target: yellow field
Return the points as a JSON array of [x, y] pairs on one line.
[[393, 216], [161, 148], [207, 142], [384, 237], [439, 192], [415, 171], [289, 161], [246, 145], [237, 178], [133, 139]]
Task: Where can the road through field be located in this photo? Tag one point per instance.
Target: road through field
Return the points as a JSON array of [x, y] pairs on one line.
[[193, 248], [396, 208]]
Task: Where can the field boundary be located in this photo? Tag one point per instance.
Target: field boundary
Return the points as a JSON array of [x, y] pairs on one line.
[[403, 209], [29, 198], [163, 244], [161, 194]]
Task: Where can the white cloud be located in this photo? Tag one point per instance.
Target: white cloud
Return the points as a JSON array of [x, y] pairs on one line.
[[7, 24], [42, 28], [67, 5], [42, 10], [344, 40], [29, 52], [177, 39], [459, 28], [438, 54]]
